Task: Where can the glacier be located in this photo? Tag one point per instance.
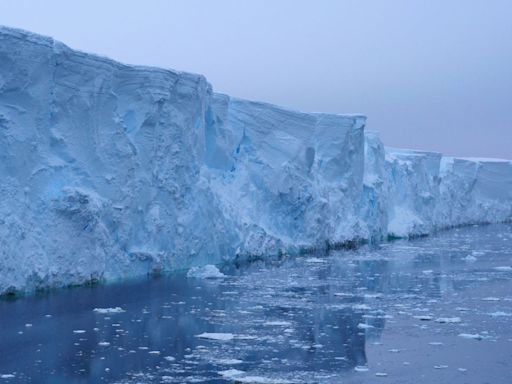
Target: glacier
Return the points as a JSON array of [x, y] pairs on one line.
[[113, 171]]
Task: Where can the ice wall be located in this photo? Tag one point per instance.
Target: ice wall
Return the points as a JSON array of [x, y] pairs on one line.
[[412, 190], [474, 191], [101, 168], [415, 193], [289, 180], [111, 171]]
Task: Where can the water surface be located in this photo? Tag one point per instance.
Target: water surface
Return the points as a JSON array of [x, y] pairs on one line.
[[431, 310]]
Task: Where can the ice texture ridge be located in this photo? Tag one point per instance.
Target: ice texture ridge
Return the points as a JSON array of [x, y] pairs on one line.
[[112, 171]]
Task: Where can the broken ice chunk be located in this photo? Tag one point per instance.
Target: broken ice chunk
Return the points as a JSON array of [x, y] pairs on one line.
[[448, 320], [109, 310], [207, 272], [216, 336], [474, 336]]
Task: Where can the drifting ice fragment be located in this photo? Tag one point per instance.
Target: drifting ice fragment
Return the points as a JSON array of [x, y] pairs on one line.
[[109, 310], [448, 320], [277, 323], [207, 272], [474, 336], [216, 336], [364, 326]]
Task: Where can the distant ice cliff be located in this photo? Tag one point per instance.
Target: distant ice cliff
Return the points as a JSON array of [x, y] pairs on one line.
[[111, 171]]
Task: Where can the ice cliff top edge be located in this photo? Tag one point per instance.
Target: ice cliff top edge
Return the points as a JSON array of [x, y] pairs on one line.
[[27, 37]]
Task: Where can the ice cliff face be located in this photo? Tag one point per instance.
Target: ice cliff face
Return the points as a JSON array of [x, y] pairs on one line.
[[474, 191], [111, 171], [414, 193], [287, 180], [101, 168]]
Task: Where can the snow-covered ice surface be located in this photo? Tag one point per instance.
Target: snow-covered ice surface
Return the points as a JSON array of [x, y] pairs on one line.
[[111, 171], [409, 311]]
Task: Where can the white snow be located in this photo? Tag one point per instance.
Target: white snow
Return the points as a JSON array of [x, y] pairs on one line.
[[112, 171]]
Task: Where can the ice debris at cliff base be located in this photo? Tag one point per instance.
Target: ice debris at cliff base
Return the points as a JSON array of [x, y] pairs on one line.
[[112, 171]]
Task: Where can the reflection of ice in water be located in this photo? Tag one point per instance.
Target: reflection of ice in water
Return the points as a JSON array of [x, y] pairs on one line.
[[301, 320]]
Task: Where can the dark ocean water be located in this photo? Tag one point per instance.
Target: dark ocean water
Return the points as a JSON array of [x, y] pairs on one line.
[[430, 310]]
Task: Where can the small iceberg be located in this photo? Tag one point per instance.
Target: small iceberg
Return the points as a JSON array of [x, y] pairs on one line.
[[207, 272], [216, 336], [109, 310], [473, 336]]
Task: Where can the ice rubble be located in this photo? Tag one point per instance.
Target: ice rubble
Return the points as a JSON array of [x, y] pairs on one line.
[[112, 171]]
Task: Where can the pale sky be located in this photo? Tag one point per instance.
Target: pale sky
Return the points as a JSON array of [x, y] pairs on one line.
[[432, 74]]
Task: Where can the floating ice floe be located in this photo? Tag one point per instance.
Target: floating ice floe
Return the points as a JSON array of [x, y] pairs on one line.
[[260, 380], [216, 336], [474, 336], [503, 268], [315, 260], [230, 373], [238, 376], [207, 272], [499, 314], [344, 294], [364, 326], [228, 361], [103, 343], [361, 368], [277, 323], [449, 320], [7, 376], [78, 331], [381, 374], [109, 310]]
